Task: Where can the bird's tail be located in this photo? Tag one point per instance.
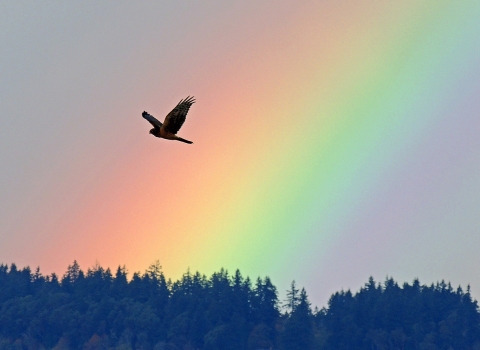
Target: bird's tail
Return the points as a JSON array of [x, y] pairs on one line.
[[183, 140]]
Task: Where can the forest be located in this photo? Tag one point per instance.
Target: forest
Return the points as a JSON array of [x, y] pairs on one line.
[[101, 309]]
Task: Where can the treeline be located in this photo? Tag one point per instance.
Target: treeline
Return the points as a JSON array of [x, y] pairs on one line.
[[98, 309]]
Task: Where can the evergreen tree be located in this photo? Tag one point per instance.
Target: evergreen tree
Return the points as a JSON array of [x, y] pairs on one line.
[[120, 283], [299, 327], [293, 297], [99, 310]]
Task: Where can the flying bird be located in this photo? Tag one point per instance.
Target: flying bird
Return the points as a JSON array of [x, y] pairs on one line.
[[173, 121]]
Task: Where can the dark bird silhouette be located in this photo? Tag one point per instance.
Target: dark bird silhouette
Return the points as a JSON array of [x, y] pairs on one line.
[[173, 121]]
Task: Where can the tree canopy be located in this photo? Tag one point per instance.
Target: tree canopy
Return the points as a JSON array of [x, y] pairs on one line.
[[98, 309]]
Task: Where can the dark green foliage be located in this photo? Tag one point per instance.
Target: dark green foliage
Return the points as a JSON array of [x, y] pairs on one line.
[[98, 310], [394, 317], [101, 310], [299, 329]]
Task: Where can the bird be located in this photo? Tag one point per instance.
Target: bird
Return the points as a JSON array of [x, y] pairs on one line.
[[173, 121]]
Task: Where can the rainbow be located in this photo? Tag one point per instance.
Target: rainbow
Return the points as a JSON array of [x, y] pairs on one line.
[[310, 140]]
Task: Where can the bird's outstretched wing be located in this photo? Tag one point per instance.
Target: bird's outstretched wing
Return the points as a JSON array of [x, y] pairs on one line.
[[175, 119], [156, 124]]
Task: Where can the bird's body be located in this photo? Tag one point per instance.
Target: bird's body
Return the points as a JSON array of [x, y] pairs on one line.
[[161, 133], [173, 121]]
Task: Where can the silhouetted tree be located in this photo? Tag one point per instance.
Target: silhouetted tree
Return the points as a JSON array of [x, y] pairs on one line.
[[96, 309], [299, 326]]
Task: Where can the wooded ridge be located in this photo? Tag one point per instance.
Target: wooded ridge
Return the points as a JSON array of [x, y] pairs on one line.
[[98, 309]]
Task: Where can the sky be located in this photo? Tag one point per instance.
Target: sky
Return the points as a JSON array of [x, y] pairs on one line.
[[333, 140]]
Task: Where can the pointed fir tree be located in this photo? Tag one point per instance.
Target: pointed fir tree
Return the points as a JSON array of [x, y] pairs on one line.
[[299, 333], [293, 298]]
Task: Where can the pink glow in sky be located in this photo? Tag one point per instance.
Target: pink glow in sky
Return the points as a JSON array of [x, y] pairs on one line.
[[333, 140]]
